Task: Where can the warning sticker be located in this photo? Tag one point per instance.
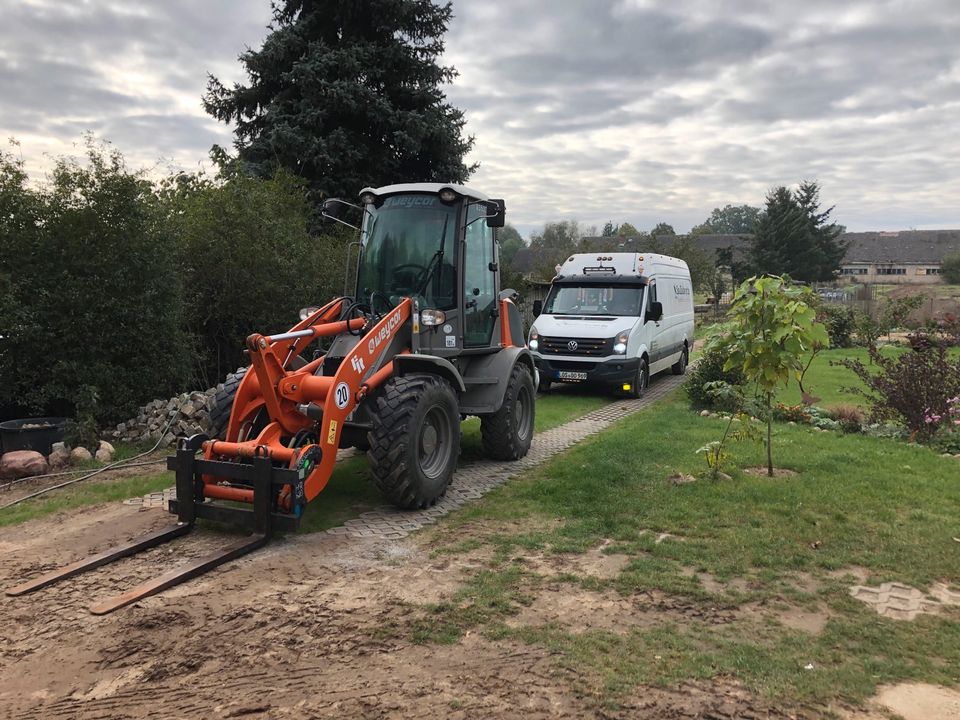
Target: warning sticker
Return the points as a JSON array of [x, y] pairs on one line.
[[332, 433], [451, 340]]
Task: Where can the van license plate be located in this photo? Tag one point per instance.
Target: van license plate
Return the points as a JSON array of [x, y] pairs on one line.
[[564, 375]]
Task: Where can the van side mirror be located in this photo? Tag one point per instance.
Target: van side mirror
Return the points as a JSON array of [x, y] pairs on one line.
[[496, 213], [655, 312], [537, 307]]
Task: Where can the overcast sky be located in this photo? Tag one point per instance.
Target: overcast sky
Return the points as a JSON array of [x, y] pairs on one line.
[[582, 109]]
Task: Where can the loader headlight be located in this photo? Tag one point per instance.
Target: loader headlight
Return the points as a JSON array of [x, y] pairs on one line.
[[534, 342], [432, 318], [307, 312], [620, 346]]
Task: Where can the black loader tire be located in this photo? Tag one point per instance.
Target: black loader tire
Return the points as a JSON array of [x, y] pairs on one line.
[[415, 440], [508, 432], [680, 366], [223, 404]]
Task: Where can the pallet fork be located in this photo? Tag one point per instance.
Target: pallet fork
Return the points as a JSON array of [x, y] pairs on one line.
[[189, 505]]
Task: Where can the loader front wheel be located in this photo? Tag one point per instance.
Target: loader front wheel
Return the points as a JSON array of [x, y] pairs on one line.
[[415, 440], [508, 432], [223, 407]]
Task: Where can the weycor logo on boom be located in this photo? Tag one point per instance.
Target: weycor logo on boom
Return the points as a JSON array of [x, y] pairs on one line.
[[384, 333]]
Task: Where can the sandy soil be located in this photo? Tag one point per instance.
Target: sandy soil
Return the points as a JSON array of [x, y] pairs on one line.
[[307, 627]]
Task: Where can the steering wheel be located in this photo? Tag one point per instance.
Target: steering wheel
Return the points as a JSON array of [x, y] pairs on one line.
[[421, 269]]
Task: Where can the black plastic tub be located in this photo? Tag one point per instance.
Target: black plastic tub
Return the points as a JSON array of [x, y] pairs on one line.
[[32, 434]]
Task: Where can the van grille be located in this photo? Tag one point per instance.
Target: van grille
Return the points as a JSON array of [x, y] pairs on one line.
[[591, 347]]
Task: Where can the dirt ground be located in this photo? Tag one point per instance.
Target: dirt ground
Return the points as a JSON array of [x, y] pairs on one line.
[[303, 628]]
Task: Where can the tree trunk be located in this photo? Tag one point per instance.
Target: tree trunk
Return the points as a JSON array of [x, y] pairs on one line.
[[769, 436]]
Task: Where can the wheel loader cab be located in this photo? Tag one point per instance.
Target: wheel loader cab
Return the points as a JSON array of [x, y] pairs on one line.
[[434, 244]]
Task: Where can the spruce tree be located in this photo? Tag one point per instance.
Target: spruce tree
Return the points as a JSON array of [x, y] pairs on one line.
[[830, 247], [345, 94], [783, 241]]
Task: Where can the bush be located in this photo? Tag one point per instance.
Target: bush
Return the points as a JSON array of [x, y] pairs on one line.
[[950, 269], [850, 417], [909, 386], [708, 369], [91, 277], [248, 260], [840, 323]]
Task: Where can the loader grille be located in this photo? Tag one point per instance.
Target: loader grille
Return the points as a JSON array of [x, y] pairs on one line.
[[591, 347]]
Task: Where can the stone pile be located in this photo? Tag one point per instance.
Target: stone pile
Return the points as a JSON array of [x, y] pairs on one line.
[[190, 413]]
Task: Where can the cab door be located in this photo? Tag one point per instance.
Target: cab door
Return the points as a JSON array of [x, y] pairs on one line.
[[479, 280]]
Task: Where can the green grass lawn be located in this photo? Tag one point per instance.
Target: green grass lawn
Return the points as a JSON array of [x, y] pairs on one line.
[[857, 501], [89, 492], [348, 493]]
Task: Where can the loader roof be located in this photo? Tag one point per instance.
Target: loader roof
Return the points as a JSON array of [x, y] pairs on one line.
[[425, 188]]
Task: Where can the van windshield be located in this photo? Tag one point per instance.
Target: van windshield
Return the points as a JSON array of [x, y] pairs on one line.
[[594, 299]]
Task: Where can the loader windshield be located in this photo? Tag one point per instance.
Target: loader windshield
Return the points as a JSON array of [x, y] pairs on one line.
[[408, 249]]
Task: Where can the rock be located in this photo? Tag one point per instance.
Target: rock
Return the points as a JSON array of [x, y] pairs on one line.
[[23, 463], [704, 413], [80, 454], [168, 440], [105, 452], [791, 422], [59, 456], [188, 410]]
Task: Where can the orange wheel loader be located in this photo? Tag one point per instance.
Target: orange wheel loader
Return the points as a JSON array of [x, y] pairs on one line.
[[427, 338]]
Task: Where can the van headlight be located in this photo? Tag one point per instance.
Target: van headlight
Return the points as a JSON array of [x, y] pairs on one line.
[[534, 341], [620, 344]]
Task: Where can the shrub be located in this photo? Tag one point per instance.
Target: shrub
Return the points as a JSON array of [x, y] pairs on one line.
[[709, 369], [97, 301], [850, 417], [248, 259], [791, 413], [840, 323], [950, 269], [910, 386]]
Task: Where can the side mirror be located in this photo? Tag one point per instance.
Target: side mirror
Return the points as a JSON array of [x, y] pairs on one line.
[[496, 213], [655, 312], [332, 207], [537, 307]]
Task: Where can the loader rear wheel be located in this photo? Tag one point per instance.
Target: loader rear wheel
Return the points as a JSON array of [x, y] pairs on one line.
[[508, 432], [415, 441]]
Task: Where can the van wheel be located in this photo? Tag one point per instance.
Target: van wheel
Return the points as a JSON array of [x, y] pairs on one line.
[[415, 440], [680, 366], [641, 380], [508, 432]]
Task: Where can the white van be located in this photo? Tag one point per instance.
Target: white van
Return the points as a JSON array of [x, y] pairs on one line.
[[614, 320]]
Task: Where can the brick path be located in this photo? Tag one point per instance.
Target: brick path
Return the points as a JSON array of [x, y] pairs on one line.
[[473, 480]]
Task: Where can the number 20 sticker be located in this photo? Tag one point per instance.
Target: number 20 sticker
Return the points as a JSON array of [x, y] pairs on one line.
[[342, 395]]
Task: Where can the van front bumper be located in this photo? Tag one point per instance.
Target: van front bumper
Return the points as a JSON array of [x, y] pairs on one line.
[[600, 372]]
